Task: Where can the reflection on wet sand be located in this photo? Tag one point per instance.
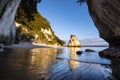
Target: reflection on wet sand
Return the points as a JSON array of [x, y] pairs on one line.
[[73, 70], [60, 70], [73, 64], [43, 64], [25, 64], [41, 59], [73, 51]]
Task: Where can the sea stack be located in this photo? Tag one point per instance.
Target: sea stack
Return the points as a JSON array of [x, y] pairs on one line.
[[73, 42]]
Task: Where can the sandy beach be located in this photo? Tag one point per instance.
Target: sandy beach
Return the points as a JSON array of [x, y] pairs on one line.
[[27, 46]]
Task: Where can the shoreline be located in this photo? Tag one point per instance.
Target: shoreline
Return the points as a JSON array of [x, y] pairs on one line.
[[27, 46]]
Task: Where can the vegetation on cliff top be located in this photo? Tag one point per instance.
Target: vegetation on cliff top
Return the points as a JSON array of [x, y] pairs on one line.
[[81, 1], [33, 25]]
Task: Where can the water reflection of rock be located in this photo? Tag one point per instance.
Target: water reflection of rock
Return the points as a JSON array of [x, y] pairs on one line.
[[25, 64], [73, 55], [73, 70], [41, 59], [73, 51], [43, 56], [42, 64], [60, 70]]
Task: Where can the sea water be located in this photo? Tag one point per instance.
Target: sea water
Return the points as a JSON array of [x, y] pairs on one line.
[[54, 64]]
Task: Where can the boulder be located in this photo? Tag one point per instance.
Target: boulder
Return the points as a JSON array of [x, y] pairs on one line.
[[106, 17], [89, 50], [111, 53], [7, 15], [73, 42], [79, 52]]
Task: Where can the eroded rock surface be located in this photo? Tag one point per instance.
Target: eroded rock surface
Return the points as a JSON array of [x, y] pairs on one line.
[[73, 42], [106, 17], [111, 53], [7, 15]]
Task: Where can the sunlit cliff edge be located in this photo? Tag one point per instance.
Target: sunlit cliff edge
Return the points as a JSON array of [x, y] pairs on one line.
[[32, 27]]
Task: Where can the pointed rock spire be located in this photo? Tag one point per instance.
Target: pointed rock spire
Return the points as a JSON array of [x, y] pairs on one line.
[[73, 42]]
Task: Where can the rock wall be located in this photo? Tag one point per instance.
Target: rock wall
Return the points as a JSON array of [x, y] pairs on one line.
[[7, 15], [73, 42], [106, 16], [33, 27]]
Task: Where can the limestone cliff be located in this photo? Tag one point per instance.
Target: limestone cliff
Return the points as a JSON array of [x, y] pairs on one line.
[[7, 15], [33, 27], [106, 16], [73, 42]]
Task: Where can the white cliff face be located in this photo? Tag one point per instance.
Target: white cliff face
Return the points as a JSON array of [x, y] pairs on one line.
[[48, 34], [17, 24], [46, 31], [73, 42], [7, 14]]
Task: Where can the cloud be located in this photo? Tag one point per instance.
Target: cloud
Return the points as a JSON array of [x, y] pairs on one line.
[[93, 41]]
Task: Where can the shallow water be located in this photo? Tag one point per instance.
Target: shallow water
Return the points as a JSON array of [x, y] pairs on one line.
[[88, 57], [54, 64]]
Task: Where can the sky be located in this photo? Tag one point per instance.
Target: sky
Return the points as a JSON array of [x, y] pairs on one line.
[[68, 17]]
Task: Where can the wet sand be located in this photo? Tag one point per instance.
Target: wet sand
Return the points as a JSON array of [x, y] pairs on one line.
[[27, 46], [84, 71], [31, 62]]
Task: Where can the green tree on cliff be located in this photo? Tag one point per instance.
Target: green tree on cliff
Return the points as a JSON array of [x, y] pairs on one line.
[[32, 24], [81, 1]]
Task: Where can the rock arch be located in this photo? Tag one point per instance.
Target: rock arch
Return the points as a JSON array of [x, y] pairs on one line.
[[105, 14], [106, 17], [7, 15]]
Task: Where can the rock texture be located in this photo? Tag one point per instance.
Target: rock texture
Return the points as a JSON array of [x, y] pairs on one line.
[[89, 50], [73, 42], [7, 15], [106, 17], [111, 53], [32, 27]]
